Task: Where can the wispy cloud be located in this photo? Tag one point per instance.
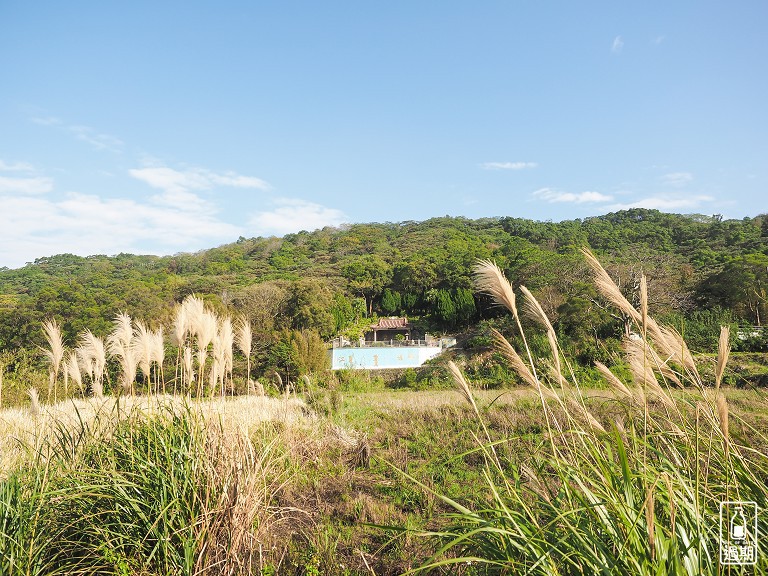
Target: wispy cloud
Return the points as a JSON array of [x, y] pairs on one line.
[[97, 140], [666, 203], [36, 220], [47, 120], [34, 185], [15, 166], [292, 215], [175, 181], [26, 183], [178, 218], [618, 45], [677, 179], [507, 165], [84, 224], [556, 196], [656, 40]]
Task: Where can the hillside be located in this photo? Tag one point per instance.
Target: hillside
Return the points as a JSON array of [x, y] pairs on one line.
[[701, 270]]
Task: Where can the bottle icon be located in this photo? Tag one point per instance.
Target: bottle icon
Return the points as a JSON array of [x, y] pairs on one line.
[[738, 524]]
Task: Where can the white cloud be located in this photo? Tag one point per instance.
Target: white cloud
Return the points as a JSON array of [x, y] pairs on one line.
[[47, 121], [15, 166], [34, 185], [174, 181], [292, 215], [97, 140], [677, 179], [657, 40], [32, 226], [507, 165], [556, 196], [665, 203], [618, 45]]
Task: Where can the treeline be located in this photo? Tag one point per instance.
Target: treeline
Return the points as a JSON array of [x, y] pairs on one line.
[[701, 271]]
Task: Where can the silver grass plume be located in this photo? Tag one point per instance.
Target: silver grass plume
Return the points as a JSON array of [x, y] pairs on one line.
[[119, 345], [723, 351], [607, 287], [671, 343], [73, 369], [34, 402], [644, 304], [205, 331], [219, 361], [189, 368], [532, 307], [92, 354], [489, 279], [642, 371], [613, 380], [180, 325], [158, 354], [54, 352], [506, 349], [462, 385], [178, 339], [142, 346], [194, 308], [227, 336], [244, 340]]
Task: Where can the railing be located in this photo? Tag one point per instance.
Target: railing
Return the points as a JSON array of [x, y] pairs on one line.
[[384, 343]]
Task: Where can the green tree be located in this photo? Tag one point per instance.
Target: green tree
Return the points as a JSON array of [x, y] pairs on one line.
[[742, 286], [309, 307], [391, 301], [367, 275]]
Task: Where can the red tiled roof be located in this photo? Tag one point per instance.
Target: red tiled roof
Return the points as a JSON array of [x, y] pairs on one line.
[[391, 324]]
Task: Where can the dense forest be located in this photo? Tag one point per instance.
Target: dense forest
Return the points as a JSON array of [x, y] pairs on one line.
[[304, 288]]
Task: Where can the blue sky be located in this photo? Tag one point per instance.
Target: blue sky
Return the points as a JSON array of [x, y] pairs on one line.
[[164, 127]]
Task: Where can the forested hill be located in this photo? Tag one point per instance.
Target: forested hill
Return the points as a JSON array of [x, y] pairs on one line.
[[325, 281]]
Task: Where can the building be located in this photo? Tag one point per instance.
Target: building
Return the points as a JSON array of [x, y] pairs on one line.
[[390, 343], [391, 329]]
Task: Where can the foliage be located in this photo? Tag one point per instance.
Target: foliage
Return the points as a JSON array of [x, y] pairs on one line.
[[167, 494], [636, 496], [333, 280]]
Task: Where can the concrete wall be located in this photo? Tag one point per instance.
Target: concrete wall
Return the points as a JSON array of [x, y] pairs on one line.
[[379, 358]]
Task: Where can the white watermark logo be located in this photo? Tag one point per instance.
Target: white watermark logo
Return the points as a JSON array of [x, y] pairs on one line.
[[738, 533]]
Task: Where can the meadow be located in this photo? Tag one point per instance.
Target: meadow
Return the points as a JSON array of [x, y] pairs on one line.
[[547, 477]]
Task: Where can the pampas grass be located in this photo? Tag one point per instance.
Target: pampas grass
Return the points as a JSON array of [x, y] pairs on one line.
[[723, 350], [34, 402], [205, 328], [92, 357], [120, 346], [73, 370], [489, 279], [54, 352], [244, 341], [158, 357], [157, 487], [142, 347], [463, 386], [188, 371], [637, 498]]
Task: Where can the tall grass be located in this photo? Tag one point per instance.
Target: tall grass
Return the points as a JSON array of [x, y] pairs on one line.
[[54, 352], [165, 491], [638, 495], [92, 358], [244, 341]]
